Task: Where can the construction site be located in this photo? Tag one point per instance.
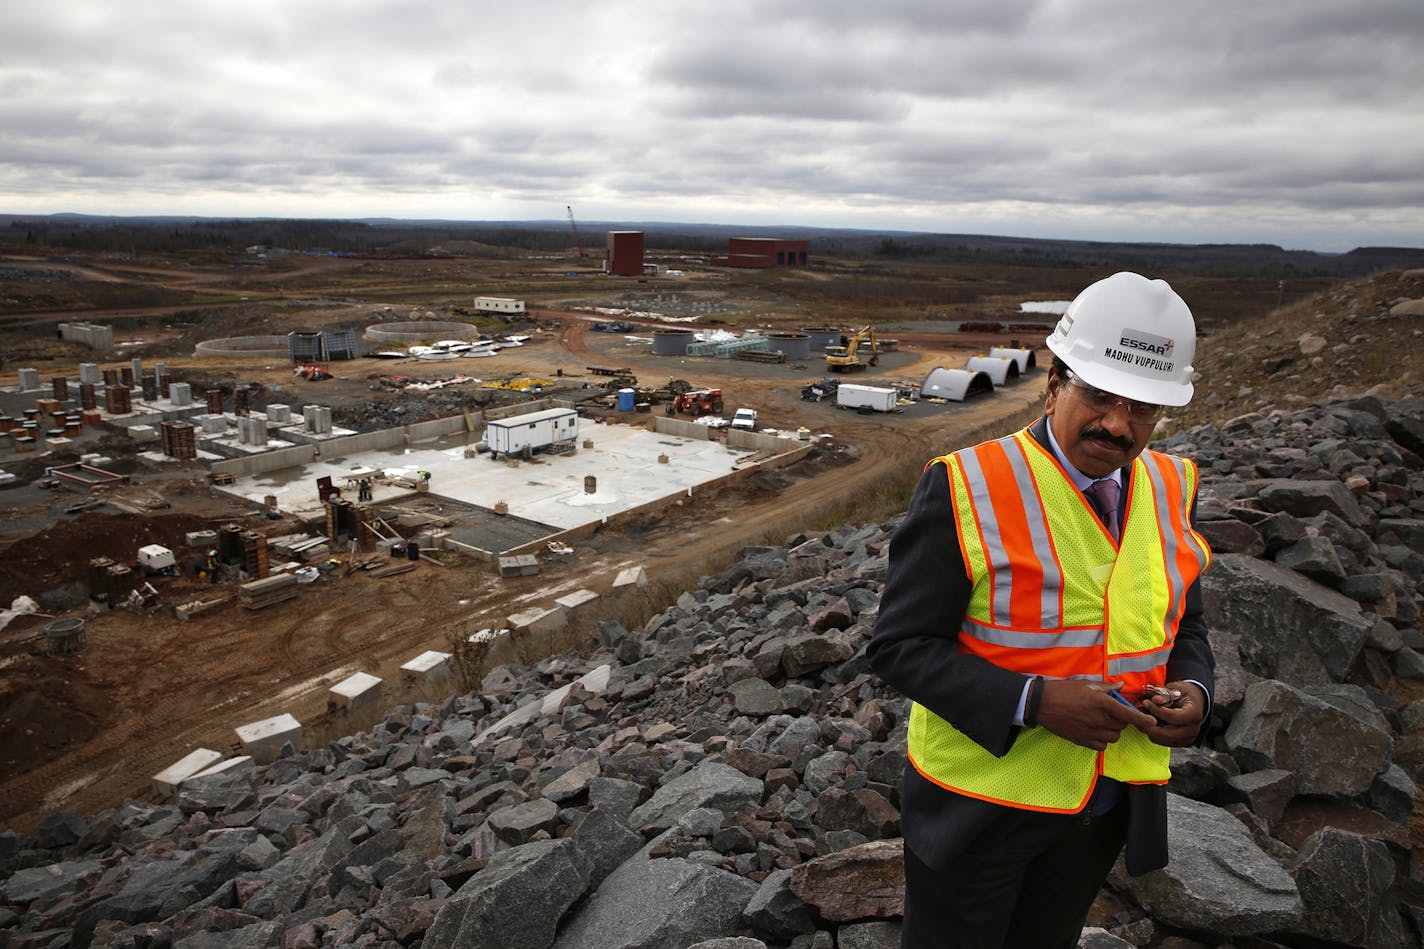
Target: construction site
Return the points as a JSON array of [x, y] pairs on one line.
[[274, 537]]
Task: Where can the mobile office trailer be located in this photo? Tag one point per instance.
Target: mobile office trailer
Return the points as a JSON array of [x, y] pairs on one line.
[[872, 398], [526, 434], [498, 305]]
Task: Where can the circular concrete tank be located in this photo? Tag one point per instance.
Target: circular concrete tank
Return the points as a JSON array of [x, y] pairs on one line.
[[822, 336], [267, 347], [794, 345], [415, 331], [671, 342]]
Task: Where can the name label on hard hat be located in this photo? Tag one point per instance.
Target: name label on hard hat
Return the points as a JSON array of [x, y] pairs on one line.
[[1144, 350]]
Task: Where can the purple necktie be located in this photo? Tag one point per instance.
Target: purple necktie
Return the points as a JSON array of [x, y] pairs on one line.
[[1104, 495]]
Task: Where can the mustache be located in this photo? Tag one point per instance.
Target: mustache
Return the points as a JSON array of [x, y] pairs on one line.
[[1103, 435]]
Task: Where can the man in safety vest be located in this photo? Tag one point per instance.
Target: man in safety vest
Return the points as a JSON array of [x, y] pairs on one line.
[[1042, 611]]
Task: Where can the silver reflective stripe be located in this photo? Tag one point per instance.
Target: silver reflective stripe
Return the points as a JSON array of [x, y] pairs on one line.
[[1002, 571], [1143, 663], [1175, 586], [1017, 639], [1038, 534]]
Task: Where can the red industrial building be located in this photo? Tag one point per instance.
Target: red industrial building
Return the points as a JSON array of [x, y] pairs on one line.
[[625, 253], [764, 252]]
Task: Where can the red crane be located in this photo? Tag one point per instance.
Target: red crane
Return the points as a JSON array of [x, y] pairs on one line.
[[574, 227]]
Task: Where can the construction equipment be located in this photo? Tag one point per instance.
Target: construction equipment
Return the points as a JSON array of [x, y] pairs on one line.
[[841, 358], [574, 227], [697, 402], [311, 372]]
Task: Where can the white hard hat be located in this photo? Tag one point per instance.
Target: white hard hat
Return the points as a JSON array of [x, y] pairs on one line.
[[1130, 336]]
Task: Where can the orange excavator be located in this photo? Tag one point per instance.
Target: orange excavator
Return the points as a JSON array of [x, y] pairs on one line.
[[697, 402], [311, 372]]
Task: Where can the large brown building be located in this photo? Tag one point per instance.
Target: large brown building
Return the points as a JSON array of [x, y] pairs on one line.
[[625, 253], [764, 252]]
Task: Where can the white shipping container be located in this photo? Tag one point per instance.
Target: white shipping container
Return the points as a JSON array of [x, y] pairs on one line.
[[849, 396], [532, 432]]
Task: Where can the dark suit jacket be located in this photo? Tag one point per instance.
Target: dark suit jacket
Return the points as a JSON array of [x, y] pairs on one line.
[[914, 650]]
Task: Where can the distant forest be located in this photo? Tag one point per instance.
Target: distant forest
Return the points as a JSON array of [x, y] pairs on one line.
[[400, 238]]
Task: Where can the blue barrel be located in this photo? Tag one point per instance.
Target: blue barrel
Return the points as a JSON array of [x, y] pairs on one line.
[[625, 399]]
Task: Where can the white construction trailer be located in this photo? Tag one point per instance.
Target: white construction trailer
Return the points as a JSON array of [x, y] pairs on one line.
[[535, 431], [871, 398], [498, 305]]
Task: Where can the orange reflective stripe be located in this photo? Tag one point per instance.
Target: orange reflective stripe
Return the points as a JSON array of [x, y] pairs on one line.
[[1014, 539]]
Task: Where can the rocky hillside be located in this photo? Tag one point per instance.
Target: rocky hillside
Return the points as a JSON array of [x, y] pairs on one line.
[[1363, 336], [727, 775]]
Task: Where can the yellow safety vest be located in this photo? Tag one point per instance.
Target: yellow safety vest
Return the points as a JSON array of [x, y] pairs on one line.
[[1053, 595]]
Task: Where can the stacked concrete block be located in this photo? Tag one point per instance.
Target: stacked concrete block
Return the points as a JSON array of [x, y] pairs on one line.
[[89, 372], [181, 393], [279, 414], [29, 380], [212, 424], [263, 740]]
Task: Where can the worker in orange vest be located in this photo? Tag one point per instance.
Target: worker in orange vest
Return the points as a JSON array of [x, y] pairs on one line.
[[1041, 609]]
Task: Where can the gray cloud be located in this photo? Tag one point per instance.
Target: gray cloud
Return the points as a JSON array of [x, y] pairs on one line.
[[1300, 124]]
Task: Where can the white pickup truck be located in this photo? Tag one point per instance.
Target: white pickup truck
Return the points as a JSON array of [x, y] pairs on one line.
[[744, 418]]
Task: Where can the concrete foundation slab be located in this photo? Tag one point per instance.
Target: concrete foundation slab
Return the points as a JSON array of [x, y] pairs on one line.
[[549, 490], [264, 740], [167, 781]]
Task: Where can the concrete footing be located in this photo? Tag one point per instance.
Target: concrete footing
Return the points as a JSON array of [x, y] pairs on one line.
[[264, 740], [358, 696], [167, 781], [571, 602], [429, 668], [230, 766], [538, 620], [630, 578]]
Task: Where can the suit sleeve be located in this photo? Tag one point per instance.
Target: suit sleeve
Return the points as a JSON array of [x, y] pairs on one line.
[[915, 645]]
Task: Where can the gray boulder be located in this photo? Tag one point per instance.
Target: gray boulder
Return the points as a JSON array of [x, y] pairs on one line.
[[1288, 626], [710, 784], [516, 901], [659, 904], [1218, 880], [1330, 751], [1345, 881]]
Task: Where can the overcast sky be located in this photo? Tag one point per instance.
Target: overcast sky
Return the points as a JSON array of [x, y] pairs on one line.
[[1291, 122]]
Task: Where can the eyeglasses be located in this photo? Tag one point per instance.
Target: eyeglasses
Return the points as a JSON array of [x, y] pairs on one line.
[[1104, 402]]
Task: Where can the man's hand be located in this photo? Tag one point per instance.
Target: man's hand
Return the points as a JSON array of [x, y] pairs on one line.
[[1086, 714], [1176, 722]]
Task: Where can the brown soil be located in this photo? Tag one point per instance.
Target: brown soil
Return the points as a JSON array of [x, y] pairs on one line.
[[84, 732]]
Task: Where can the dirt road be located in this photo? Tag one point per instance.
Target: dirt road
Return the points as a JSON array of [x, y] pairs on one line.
[[89, 730]]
